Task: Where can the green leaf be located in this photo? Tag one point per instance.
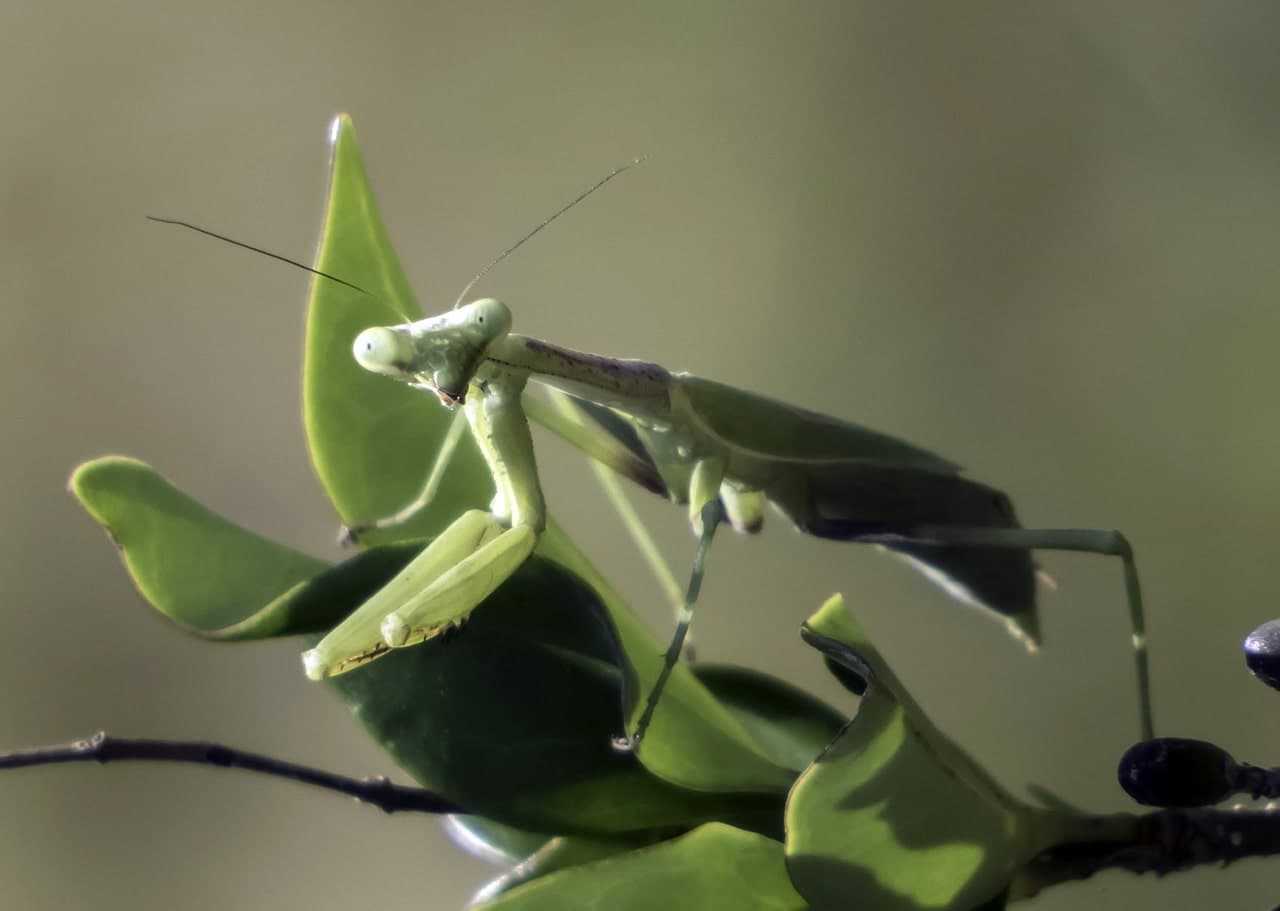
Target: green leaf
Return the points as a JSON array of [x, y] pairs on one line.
[[372, 439], [790, 724], [195, 567], [318, 604], [894, 812], [714, 867], [512, 718], [212, 577], [694, 740]]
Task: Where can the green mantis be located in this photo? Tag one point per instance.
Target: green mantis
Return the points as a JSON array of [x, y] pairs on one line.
[[721, 451]]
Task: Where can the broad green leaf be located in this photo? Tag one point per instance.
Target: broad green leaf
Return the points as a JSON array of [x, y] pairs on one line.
[[317, 605], [694, 740], [200, 570], [372, 441], [788, 720], [714, 868], [790, 724], [894, 812], [512, 718], [212, 577]]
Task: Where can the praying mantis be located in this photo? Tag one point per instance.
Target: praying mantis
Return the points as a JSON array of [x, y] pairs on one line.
[[720, 451]]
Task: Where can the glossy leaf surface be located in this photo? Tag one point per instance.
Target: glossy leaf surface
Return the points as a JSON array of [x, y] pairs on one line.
[[512, 718], [791, 724], [894, 812], [372, 439]]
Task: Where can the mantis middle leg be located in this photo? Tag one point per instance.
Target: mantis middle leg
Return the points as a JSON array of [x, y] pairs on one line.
[[705, 513]]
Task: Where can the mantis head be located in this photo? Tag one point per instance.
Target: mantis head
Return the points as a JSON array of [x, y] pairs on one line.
[[440, 352]]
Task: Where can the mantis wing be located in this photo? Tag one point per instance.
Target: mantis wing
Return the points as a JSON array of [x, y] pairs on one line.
[[837, 480], [853, 500], [832, 479], [781, 431]]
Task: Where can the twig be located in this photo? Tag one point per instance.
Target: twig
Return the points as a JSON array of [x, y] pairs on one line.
[[1167, 841], [102, 748]]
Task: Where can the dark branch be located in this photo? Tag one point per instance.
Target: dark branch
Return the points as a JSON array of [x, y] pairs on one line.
[[380, 792], [1164, 842]]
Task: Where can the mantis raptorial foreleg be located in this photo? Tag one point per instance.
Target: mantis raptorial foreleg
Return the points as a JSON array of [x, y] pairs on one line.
[[456, 593], [1081, 540], [358, 639], [470, 558]]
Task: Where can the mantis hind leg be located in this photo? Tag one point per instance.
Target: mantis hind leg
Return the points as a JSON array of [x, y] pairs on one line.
[[1082, 540], [358, 639]]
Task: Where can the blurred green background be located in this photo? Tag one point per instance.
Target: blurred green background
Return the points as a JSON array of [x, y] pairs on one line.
[[1038, 240]]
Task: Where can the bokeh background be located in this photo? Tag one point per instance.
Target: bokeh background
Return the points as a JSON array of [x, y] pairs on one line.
[[1037, 239]]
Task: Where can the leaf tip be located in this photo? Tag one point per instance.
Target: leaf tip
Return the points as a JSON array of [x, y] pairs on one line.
[[831, 614], [341, 125], [89, 478]]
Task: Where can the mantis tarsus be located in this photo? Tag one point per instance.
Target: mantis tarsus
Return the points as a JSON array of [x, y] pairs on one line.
[[721, 451]]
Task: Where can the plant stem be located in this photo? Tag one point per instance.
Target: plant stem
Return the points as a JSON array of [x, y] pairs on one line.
[[1163, 842], [102, 748]]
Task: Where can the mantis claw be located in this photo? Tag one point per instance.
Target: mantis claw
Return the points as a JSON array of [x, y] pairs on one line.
[[349, 535], [624, 744]]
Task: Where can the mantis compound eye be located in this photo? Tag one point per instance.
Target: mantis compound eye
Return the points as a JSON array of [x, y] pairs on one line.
[[490, 318], [380, 350]]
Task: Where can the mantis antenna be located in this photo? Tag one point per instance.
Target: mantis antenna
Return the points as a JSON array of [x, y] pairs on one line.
[[471, 284], [239, 243], [546, 221]]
